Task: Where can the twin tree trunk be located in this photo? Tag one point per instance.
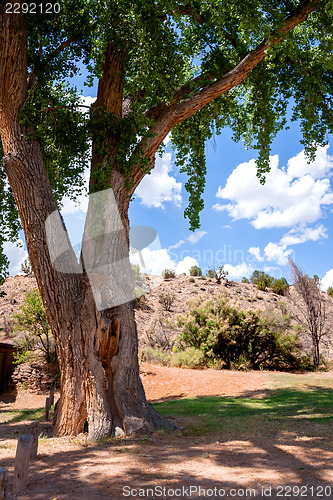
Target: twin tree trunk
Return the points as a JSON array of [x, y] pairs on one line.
[[97, 350]]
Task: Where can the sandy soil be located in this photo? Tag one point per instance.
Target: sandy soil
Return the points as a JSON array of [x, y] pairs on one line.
[[71, 468]]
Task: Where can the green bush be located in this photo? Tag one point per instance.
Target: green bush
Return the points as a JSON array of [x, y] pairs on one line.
[[168, 274], [330, 291], [261, 285], [35, 331], [191, 280], [189, 358], [195, 271], [280, 286], [211, 273], [263, 280], [236, 337], [155, 355], [245, 280], [261, 277]]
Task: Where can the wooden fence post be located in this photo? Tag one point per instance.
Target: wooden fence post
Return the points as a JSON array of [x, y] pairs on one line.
[[34, 431], [47, 408], [22, 462], [51, 397], [3, 482]]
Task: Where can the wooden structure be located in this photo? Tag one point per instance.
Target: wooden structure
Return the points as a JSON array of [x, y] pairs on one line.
[[6, 360]]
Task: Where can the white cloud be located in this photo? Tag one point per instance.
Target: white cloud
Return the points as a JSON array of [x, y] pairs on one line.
[[298, 165], [195, 237], [327, 280], [166, 140], [291, 196], [255, 251], [238, 271], [156, 261], [160, 187], [16, 256], [86, 101], [296, 236], [176, 245], [184, 265], [277, 253]]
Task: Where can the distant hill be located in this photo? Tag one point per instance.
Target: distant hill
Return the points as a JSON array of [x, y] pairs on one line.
[[152, 319]]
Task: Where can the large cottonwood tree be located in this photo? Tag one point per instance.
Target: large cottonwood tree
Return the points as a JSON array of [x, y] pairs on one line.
[[191, 67]]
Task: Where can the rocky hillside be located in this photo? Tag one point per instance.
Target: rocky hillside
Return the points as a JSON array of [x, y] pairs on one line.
[[152, 318]]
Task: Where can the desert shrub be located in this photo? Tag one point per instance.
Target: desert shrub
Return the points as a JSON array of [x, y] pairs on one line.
[[280, 286], [261, 285], [260, 276], [160, 335], [211, 273], [189, 358], [330, 291], [136, 271], [168, 274], [242, 363], [220, 274], [26, 267], [191, 280], [245, 280], [283, 307], [166, 299], [195, 271], [35, 331], [222, 331], [155, 355], [140, 301], [7, 327]]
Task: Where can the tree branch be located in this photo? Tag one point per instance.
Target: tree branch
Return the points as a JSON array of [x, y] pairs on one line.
[[61, 47], [189, 10], [174, 114], [156, 111]]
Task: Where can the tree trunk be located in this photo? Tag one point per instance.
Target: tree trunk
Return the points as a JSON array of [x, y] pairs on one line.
[[97, 350], [316, 349], [100, 384]]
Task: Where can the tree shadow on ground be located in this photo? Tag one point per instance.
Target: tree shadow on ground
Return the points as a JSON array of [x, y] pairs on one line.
[[240, 442]]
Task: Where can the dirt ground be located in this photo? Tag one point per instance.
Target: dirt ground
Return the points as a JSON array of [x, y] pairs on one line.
[[73, 469]]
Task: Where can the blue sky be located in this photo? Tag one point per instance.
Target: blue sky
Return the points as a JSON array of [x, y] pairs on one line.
[[244, 225]]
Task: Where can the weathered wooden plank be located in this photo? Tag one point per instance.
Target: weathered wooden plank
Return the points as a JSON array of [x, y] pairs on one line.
[[3, 483], [22, 462], [34, 430], [51, 397], [47, 408]]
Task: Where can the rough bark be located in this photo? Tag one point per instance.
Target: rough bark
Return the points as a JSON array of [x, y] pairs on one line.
[[97, 351], [100, 384]]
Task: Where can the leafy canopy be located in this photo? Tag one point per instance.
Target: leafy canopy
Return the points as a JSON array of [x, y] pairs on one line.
[[166, 45]]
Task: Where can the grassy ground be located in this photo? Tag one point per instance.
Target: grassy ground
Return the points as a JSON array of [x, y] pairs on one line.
[[250, 430], [15, 416], [295, 410]]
